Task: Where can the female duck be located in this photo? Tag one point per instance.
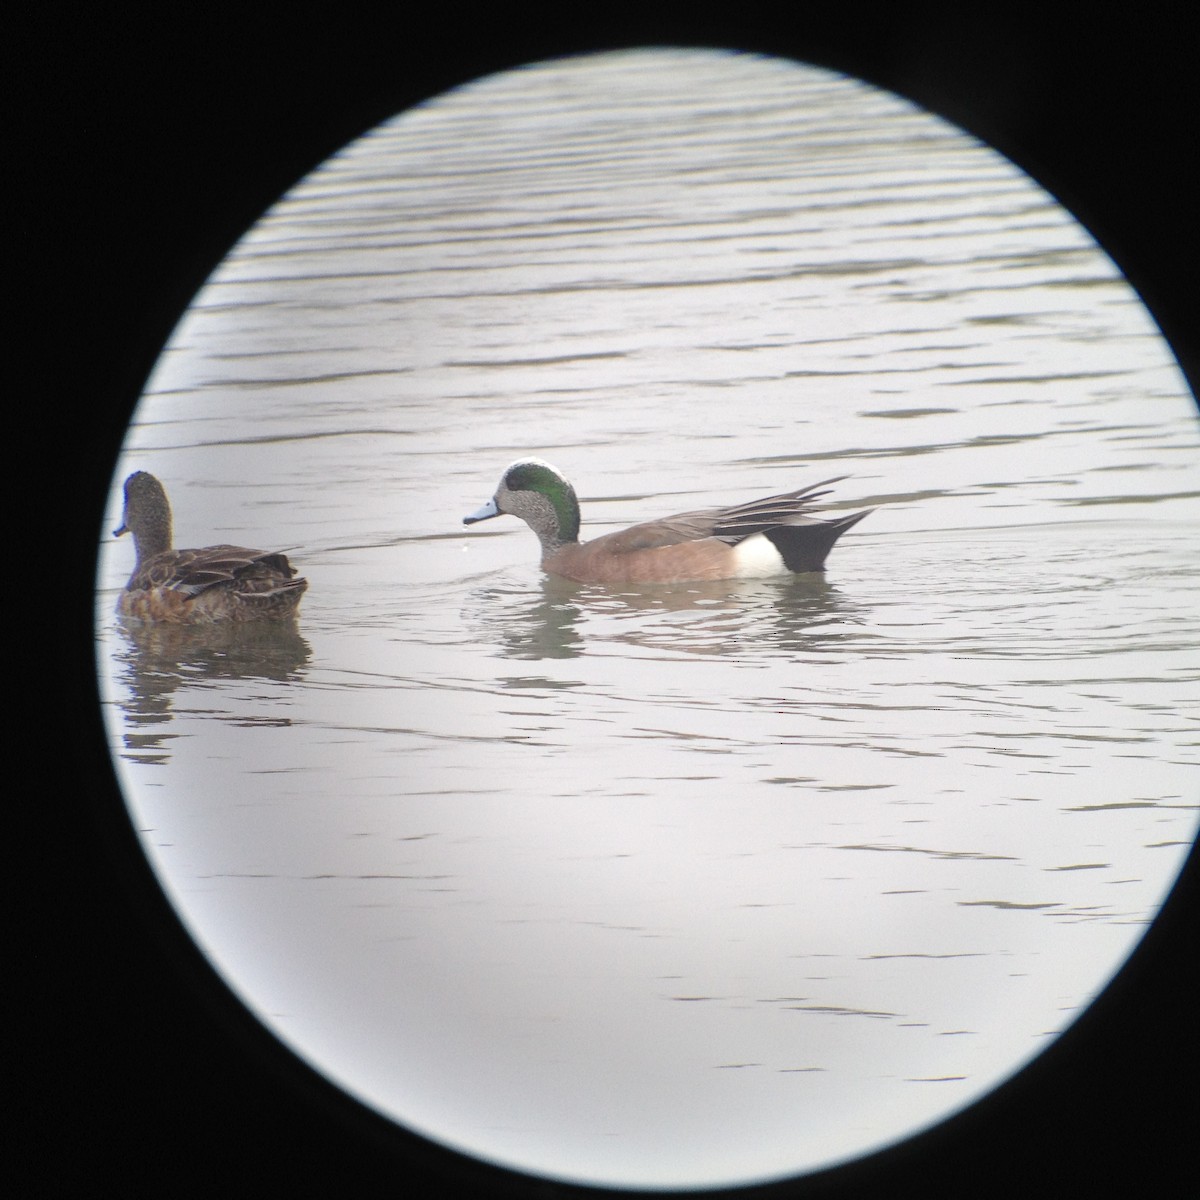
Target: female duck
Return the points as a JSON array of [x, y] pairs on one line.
[[766, 537], [195, 587]]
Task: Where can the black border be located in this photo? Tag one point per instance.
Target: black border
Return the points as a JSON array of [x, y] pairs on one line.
[[148, 139]]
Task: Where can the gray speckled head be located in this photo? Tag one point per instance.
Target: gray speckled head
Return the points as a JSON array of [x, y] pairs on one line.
[[147, 515], [537, 493]]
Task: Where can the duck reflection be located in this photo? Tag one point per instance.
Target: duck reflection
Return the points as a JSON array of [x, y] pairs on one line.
[[154, 662], [564, 619], [537, 624]]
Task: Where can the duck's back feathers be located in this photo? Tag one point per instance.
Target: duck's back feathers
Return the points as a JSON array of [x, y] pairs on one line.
[[730, 525], [216, 583], [195, 571]]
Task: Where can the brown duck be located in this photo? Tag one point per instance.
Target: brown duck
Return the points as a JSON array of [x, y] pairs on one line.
[[195, 587], [772, 536]]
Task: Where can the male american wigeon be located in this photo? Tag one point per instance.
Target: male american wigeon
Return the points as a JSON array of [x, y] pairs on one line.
[[195, 587], [772, 536]]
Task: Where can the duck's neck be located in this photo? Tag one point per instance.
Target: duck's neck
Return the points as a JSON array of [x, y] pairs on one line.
[[556, 524], [152, 535]]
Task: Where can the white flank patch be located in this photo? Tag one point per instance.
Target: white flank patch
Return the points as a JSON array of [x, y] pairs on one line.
[[757, 558]]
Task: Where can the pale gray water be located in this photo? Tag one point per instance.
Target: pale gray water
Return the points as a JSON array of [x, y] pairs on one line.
[[704, 884]]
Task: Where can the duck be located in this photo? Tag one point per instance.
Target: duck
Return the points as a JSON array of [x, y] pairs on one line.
[[197, 587], [762, 538]]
